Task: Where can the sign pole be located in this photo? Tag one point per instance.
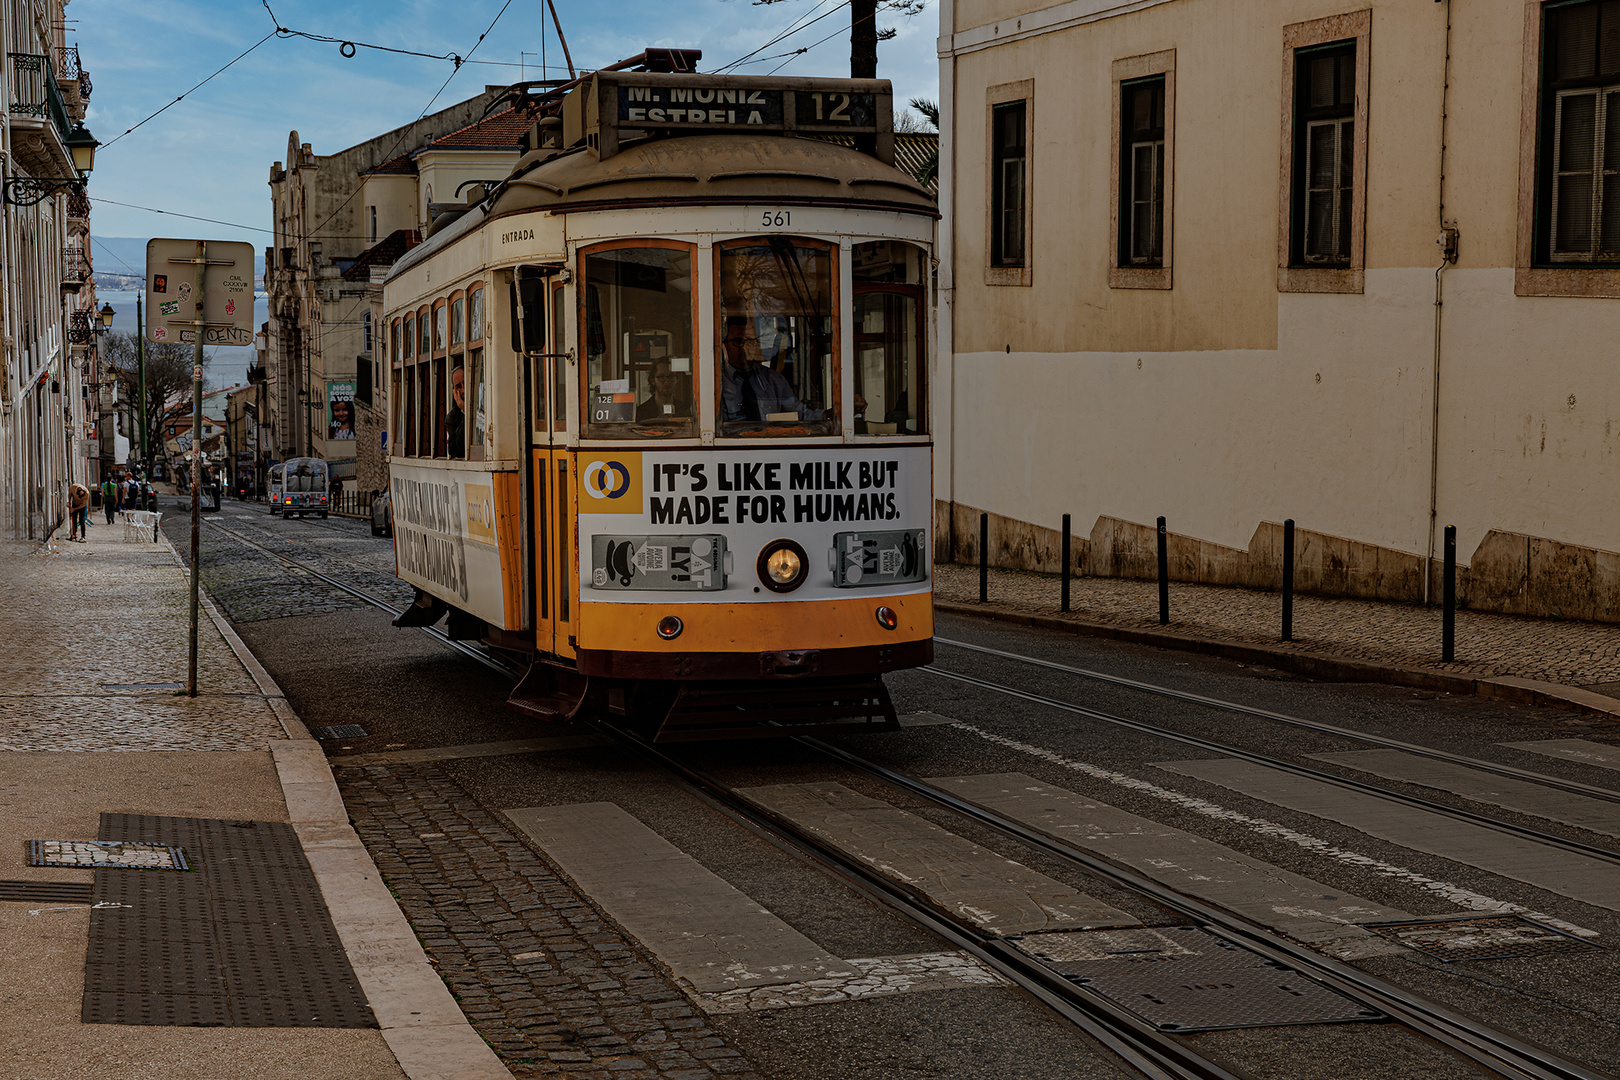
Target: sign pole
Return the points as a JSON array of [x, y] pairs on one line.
[[140, 363], [200, 323]]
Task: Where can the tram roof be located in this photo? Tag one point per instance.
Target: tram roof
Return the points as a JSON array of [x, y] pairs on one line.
[[692, 171]]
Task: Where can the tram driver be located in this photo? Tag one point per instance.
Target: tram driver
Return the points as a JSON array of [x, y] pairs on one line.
[[665, 402], [753, 390]]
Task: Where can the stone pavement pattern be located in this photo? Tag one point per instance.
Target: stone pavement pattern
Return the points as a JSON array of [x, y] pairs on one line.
[[1572, 653], [544, 978]]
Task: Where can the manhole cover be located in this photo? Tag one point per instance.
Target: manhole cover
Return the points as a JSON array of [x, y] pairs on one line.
[[106, 854], [339, 731], [1183, 978], [45, 892], [143, 686], [1497, 937], [1173, 998]]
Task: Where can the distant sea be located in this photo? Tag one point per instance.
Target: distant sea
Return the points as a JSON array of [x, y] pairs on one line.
[[224, 365]]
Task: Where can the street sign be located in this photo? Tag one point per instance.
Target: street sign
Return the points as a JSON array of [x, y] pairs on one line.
[[171, 282]]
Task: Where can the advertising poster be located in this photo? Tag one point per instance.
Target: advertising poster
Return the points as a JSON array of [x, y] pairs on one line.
[[340, 410], [445, 538], [651, 523]]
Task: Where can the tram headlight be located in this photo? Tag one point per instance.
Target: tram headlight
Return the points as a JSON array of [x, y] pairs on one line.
[[782, 566]]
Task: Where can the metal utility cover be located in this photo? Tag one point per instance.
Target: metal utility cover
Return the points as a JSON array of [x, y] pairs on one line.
[[45, 892], [339, 731], [1184, 978], [246, 941], [171, 281], [1174, 999], [1500, 937], [106, 854]]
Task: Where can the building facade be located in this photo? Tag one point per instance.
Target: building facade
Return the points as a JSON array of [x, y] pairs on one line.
[[340, 222], [49, 403], [1231, 262]]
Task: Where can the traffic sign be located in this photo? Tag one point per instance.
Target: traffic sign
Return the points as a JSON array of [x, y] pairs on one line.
[[171, 282]]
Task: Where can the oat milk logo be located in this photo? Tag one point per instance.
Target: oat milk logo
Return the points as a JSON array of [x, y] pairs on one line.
[[606, 480]]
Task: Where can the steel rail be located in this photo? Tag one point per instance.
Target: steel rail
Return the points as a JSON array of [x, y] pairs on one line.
[[376, 602], [1502, 1053], [1153, 1053], [1361, 787], [1574, 787]]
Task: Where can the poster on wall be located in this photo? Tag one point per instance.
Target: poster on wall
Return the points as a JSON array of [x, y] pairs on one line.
[[340, 410], [652, 523]]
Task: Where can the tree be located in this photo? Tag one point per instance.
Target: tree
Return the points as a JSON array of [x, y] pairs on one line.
[[168, 379], [930, 113]]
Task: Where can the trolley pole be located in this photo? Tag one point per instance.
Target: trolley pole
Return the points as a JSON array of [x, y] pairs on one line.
[[200, 325]]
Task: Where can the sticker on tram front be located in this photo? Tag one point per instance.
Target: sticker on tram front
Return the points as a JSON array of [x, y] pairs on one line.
[[891, 557], [660, 563]]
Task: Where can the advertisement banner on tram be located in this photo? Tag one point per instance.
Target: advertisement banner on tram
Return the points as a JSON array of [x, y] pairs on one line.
[[706, 526], [445, 537]]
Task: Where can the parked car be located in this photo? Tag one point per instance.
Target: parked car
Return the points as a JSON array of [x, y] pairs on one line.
[[382, 515]]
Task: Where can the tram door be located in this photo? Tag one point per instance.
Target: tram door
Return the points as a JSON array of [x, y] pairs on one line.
[[552, 494]]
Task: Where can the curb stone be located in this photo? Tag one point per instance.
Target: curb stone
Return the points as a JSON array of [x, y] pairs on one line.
[[420, 1021], [1311, 665]]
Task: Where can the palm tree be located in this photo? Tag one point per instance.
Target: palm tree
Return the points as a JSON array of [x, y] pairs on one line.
[[930, 112]]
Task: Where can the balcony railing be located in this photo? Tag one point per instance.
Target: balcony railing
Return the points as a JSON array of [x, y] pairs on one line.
[[78, 204], [34, 91], [75, 266], [79, 328]]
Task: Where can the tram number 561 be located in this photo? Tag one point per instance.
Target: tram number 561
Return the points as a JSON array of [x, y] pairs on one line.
[[776, 219]]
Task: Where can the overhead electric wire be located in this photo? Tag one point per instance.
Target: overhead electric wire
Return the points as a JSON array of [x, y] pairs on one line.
[[792, 28], [182, 97], [176, 213]]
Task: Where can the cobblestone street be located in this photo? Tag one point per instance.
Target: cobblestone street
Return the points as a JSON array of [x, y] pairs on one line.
[[552, 986]]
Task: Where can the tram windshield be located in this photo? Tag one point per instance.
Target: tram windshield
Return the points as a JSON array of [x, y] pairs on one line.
[[888, 331], [777, 372], [638, 342], [305, 474]]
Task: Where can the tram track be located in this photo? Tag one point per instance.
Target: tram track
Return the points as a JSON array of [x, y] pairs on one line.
[[1151, 1052]]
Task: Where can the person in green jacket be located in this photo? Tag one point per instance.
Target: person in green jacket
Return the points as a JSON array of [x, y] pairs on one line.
[[109, 497]]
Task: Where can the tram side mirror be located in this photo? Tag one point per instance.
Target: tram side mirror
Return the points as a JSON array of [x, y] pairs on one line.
[[532, 299]]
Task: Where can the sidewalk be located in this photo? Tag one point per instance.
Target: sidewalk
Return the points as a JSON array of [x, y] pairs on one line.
[[82, 627], [1505, 657]]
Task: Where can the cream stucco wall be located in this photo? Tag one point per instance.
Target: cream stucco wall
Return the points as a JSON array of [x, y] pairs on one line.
[[1223, 402], [394, 196]]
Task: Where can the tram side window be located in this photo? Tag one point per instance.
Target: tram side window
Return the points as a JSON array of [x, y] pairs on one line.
[[399, 407], [559, 361], [407, 416], [424, 410], [478, 438], [638, 325], [441, 411], [889, 390], [777, 366], [455, 420]]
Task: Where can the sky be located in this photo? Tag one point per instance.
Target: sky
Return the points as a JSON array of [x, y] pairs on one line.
[[210, 154]]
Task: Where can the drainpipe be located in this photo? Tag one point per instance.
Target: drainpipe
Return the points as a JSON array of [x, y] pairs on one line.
[[1448, 241]]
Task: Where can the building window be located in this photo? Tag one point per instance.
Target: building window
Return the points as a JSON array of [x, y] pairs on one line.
[[1142, 149], [1324, 154], [365, 328], [1580, 181], [1008, 184], [373, 214], [1322, 197]]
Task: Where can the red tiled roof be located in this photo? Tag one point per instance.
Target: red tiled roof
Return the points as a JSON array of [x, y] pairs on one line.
[[384, 252], [499, 132]]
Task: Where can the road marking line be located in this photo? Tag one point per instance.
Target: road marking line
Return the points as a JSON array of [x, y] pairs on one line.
[[1456, 894]]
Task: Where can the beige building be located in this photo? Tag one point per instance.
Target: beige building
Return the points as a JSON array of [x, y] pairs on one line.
[[49, 432], [340, 221], [1190, 268]]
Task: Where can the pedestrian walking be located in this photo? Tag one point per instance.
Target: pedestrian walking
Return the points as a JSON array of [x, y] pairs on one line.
[[132, 494], [109, 498], [79, 507]]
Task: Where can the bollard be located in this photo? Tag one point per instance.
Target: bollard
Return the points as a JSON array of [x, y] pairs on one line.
[[1064, 606], [984, 558], [1288, 580], [1164, 576], [1448, 599]]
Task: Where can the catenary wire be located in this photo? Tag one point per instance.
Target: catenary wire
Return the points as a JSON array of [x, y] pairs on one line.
[[182, 97]]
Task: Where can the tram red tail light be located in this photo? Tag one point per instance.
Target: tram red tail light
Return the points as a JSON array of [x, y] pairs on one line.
[[669, 627], [887, 618]]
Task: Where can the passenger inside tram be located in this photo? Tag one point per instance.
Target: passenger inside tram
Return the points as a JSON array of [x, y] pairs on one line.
[[455, 421], [666, 399]]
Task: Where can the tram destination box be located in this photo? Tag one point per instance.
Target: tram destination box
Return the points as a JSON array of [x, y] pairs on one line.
[[619, 103]]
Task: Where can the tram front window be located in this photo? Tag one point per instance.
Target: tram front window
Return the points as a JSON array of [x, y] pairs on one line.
[[638, 322], [888, 339], [777, 372]]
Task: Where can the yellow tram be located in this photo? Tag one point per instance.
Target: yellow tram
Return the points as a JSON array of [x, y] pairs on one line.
[[660, 406]]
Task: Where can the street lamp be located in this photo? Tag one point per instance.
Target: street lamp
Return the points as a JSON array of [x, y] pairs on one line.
[[106, 314], [82, 146]]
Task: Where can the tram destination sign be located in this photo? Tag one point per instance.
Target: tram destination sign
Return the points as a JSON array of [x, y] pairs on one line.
[[646, 101]]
